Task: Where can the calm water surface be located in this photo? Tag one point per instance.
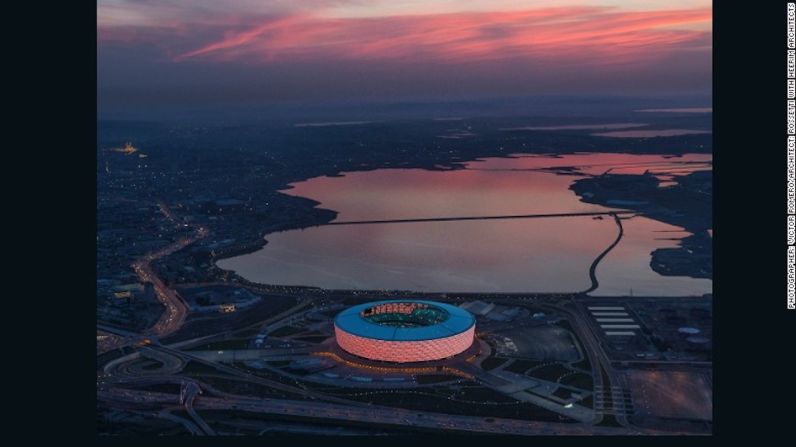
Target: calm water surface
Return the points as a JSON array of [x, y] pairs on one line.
[[650, 133], [518, 255]]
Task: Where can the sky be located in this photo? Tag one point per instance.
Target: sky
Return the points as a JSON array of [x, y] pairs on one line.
[[153, 53]]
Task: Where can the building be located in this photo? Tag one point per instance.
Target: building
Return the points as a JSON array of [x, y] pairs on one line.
[[404, 330], [226, 308]]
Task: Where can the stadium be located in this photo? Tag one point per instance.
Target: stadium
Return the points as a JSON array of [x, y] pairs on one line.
[[404, 330]]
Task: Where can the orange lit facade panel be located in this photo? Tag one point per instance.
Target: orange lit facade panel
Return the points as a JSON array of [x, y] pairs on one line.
[[406, 350]]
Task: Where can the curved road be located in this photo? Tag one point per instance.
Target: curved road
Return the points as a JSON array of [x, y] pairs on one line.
[[176, 310], [593, 268]]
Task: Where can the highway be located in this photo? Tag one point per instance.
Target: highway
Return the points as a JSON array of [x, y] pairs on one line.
[[107, 341], [176, 310], [190, 426], [188, 393], [259, 380], [395, 417], [118, 367]]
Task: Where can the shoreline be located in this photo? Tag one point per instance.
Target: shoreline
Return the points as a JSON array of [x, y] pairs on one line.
[[655, 256]]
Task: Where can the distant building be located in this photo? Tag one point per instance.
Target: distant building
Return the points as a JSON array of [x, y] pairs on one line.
[[226, 308]]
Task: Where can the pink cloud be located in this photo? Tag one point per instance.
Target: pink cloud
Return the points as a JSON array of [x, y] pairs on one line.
[[601, 35]]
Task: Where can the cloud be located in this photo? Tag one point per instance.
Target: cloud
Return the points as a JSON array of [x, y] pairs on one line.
[[164, 51], [157, 12], [592, 33]]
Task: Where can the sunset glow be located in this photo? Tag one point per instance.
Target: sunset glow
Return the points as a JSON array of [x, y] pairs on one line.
[[526, 46]]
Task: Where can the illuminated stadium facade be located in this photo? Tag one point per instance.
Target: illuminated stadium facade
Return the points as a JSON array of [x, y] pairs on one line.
[[404, 330]]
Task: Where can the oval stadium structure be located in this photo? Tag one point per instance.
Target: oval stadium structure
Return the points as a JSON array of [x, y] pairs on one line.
[[404, 330]]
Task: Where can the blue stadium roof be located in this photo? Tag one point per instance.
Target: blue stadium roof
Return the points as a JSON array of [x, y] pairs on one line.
[[351, 321]]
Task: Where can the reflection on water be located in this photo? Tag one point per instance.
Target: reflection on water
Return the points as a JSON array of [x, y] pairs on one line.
[[502, 256], [680, 110], [650, 133], [626, 269], [607, 126], [531, 255]]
